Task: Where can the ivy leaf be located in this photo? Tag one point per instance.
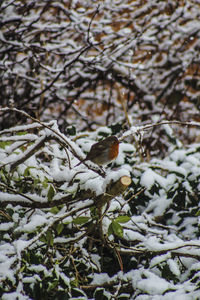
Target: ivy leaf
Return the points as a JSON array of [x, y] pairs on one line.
[[117, 229], [122, 219], [81, 220], [51, 193]]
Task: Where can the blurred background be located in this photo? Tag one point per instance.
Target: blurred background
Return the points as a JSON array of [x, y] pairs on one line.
[[93, 63]]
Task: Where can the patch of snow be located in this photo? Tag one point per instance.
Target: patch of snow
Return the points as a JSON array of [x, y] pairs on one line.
[[174, 268], [35, 222], [100, 279]]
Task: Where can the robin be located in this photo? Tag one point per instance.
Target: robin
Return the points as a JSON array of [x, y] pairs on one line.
[[103, 152]]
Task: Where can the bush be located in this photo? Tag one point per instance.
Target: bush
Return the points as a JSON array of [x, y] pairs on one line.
[[68, 232]]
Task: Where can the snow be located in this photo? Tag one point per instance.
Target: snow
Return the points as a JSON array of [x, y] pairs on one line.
[[159, 259], [124, 148], [153, 244], [96, 259], [151, 283], [30, 137], [133, 236], [149, 178], [174, 268], [171, 166], [155, 31], [95, 185], [9, 197], [158, 205], [154, 285], [100, 279], [115, 175], [20, 246], [39, 268], [31, 279], [6, 268], [143, 231], [35, 222], [65, 278], [6, 226], [91, 182], [23, 128], [14, 295]]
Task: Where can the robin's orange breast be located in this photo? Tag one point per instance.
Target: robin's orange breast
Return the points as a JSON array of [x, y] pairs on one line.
[[114, 150]]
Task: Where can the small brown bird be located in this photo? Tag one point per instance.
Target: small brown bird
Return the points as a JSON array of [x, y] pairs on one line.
[[103, 152]]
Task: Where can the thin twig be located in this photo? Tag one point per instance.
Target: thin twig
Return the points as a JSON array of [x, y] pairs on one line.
[[16, 193], [138, 129], [60, 136], [90, 24], [84, 49]]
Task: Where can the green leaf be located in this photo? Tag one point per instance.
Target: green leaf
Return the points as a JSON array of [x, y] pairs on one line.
[[52, 285], [117, 229], [45, 183], [51, 193], [43, 239], [22, 269], [21, 133], [54, 210], [27, 171], [59, 228], [94, 212], [123, 296], [49, 238], [2, 176], [67, 222], [122, 219], [74, 282], [10, 211], [81, 220], [110, 229], [4, 144]]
